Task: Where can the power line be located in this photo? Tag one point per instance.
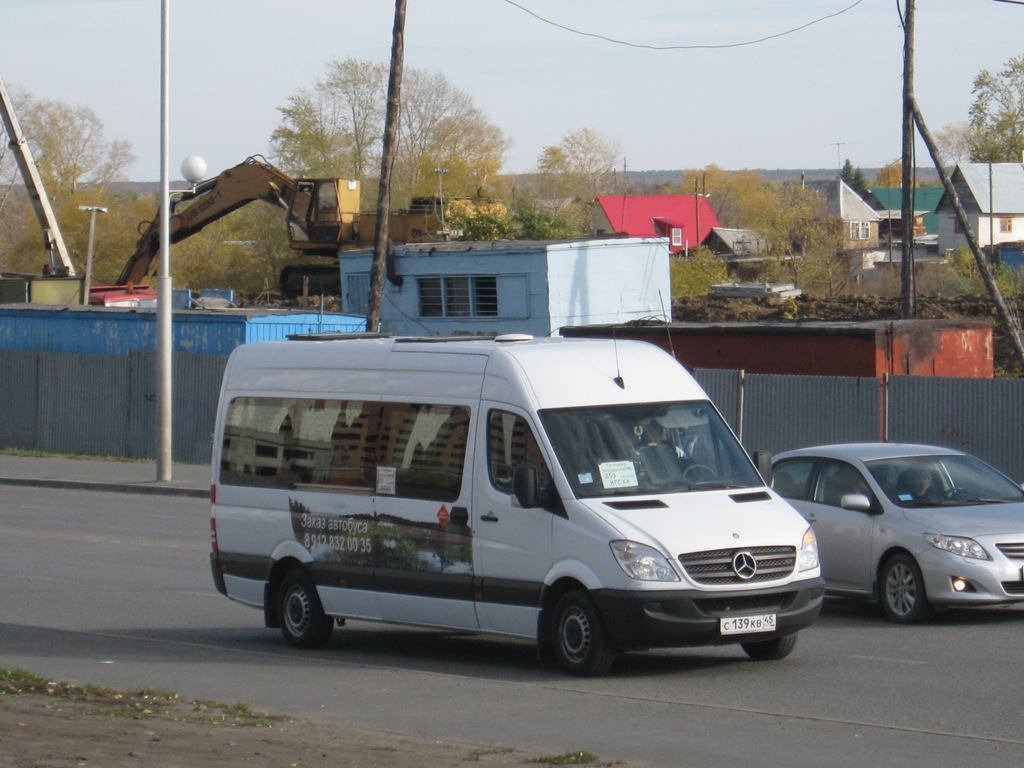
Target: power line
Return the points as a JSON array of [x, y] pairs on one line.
[[537, 16]]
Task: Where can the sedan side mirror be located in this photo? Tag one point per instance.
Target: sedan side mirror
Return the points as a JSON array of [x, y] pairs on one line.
[[858, 502]]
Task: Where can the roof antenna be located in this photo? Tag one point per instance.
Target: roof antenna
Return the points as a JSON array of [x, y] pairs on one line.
[[618, 373]]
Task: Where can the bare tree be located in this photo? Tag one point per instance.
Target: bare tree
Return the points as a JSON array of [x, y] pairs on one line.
[[70, 148]]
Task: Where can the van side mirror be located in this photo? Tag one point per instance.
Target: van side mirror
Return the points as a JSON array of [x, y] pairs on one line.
[[763, 462], [525, 486]]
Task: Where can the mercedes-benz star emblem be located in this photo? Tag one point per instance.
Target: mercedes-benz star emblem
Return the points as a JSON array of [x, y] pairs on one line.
[[745, 565]]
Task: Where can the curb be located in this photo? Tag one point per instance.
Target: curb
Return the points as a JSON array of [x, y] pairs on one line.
[[151, 489]]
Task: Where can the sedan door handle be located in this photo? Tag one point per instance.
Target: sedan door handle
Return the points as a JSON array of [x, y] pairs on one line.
[[490, 517]]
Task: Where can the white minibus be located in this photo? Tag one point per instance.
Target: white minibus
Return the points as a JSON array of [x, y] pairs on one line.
[[582, 493]]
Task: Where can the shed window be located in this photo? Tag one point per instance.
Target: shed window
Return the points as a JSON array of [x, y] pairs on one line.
[[457, 296]]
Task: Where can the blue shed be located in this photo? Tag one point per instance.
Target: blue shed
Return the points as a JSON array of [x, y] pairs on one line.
[[118, 331]]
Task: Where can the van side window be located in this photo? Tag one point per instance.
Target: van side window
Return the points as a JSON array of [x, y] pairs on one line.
[[275, 442], [426, 444], [510, 443]]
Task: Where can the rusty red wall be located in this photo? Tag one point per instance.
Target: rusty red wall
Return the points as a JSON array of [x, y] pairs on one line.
[[865, 352], [965, 352]]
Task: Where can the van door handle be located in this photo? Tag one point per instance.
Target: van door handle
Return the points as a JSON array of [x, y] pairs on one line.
[[490, 517]]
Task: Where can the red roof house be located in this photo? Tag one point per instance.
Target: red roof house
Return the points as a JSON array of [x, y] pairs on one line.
[[686, 220]]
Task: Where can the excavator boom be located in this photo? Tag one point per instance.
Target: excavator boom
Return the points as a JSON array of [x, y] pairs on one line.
[[322, 214]]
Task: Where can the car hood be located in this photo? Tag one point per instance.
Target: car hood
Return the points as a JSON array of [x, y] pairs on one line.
[[970, 519], [699, 521]]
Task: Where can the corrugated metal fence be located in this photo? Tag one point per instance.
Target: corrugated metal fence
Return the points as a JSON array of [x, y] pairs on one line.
[[771, 413], [106, 405]]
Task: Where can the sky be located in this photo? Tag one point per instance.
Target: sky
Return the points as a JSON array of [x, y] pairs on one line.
[[671, 84]]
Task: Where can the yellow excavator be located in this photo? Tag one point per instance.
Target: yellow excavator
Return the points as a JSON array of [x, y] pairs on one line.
[[322, 216]]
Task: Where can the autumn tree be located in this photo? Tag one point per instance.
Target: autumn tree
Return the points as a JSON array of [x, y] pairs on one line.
[[336, 129], [70, 148], [994, 131], [741, 199], [77, 165], [806, 243], [890, 176], [580, 166]]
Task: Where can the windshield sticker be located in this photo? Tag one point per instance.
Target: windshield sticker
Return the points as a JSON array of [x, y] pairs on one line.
[[905, 497], [618, 474], [585, 478]]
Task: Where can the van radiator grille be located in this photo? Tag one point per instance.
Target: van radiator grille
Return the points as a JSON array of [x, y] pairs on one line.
[[1014, 551], [715, 567]]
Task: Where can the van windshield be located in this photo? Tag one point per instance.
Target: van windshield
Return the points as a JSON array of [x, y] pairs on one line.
[[647, 448]]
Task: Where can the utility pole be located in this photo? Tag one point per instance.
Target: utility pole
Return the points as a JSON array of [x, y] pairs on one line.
[[908, 289], [381, 240]]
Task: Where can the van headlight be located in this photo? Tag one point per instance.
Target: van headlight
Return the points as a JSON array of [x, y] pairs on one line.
[[807, 559], [958, 545], [642, 562]]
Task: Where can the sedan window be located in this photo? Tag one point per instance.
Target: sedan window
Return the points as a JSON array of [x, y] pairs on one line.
[[791, 477], [942, 480], [837, 479]]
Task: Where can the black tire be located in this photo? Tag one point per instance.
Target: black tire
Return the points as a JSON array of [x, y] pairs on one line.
[[770, 650], [902, 593], [578, 640], [303, 621]]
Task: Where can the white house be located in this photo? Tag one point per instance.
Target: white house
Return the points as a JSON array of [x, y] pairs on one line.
[[509, 286], [992, 196]]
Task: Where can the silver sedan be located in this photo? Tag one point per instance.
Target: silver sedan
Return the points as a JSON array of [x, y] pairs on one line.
[[912, 526]]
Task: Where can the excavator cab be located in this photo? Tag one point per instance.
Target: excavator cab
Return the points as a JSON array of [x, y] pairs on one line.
[[323, 214]]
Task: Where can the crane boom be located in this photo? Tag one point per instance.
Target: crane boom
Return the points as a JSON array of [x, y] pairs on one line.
[[60, 262]]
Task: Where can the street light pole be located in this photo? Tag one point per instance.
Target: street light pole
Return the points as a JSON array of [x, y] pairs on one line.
[[93, 210], [164, 335]]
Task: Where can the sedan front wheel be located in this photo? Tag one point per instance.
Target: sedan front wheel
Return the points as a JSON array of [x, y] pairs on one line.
[[902, 591]]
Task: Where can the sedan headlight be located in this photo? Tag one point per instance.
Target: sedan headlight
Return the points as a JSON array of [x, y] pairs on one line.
[[642, 562], [958, 545], [807, 558]]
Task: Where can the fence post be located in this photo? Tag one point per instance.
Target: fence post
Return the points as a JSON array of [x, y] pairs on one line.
[[885, 407], [740, 381]]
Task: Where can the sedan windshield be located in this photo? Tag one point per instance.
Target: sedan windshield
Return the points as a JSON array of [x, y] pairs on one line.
[[647, 448], [936, 481]]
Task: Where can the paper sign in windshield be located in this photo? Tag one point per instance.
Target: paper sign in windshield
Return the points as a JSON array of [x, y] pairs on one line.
[[618, 474]]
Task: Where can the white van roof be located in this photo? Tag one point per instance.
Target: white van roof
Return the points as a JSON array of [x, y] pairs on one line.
[[546, 372]]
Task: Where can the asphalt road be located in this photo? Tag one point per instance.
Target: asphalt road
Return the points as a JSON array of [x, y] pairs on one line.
[[114, 589]]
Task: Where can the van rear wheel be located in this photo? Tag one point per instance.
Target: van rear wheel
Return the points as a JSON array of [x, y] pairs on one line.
[[578, 638], [303, 621]]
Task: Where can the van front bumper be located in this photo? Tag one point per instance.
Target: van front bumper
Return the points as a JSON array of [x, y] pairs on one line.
[[679, 618]]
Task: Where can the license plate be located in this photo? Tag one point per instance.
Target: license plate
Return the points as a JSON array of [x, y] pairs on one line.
[[739, 625]]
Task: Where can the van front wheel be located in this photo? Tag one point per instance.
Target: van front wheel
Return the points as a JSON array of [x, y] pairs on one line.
[[303, 621], [770, 650], [578, 639]]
